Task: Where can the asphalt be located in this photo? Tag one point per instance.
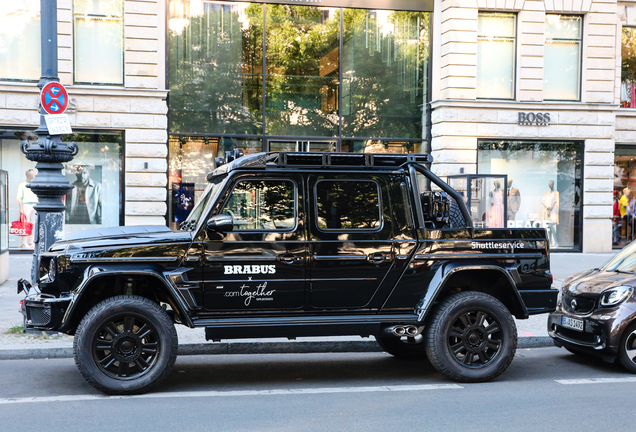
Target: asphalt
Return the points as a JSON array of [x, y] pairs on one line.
[[532, 332]]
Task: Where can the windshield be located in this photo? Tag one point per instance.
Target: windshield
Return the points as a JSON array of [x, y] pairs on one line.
[[624, 261], [209, 194]]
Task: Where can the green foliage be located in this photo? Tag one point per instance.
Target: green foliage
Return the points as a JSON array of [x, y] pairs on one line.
[[16, 329]]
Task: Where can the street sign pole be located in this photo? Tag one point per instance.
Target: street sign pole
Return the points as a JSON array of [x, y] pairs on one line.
[[49, 152]]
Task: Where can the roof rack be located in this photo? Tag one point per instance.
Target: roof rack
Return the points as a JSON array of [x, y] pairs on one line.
[[342, 160]]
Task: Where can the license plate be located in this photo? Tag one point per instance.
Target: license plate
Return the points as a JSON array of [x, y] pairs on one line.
[[571, 323]]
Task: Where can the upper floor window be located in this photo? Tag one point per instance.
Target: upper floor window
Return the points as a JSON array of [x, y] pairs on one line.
[[628, 68], [562, 57], [496, 55], [20, 39], [99, 41]]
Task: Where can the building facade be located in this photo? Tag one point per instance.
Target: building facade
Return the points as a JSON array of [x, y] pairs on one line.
[[528, 104]]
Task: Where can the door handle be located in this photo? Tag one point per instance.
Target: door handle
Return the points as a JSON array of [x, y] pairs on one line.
[[380, 257], [289, 259]]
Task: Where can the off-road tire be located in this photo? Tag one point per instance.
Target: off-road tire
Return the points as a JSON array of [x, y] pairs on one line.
[[404, 347], [628, 341], [465, 349], [132, 328]]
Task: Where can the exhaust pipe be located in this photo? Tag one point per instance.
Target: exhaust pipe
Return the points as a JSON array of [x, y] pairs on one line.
[[401, 330]]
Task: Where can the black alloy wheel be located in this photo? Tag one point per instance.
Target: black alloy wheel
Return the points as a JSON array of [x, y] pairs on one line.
[[471, 337], [627, 348], [125, 345]]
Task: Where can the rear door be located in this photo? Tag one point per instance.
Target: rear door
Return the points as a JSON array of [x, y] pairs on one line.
[[350, 241]]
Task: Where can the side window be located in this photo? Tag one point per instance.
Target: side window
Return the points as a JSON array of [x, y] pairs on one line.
[[440, 210], [262, 205], [348, 205]]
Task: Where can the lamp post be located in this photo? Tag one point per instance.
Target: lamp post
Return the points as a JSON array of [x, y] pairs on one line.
[[49, 152]]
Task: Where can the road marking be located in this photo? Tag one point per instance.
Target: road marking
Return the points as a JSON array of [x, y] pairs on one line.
[[274, 392], [596, 381]]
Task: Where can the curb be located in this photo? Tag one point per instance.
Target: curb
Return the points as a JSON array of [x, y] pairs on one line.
[[211, 348]]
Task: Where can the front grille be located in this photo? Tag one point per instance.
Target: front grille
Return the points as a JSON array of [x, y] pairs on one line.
[[588, 338], [39, 316], [582, 305]]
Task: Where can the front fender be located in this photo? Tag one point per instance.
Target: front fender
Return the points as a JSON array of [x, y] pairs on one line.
[[440, 280], [95, 272]]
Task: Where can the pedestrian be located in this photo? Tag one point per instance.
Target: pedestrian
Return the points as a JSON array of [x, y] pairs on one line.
[[27, 200]]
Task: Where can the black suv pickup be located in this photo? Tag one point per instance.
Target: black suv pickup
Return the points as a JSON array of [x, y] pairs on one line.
[[292, 245]]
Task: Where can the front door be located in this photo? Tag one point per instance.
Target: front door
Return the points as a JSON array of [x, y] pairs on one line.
[[351, 241], [303, 145], [261, 264]]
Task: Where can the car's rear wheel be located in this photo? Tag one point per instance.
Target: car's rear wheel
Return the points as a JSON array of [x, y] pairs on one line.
[[405, 347], [125, 345], [471, 337], [627, 348]]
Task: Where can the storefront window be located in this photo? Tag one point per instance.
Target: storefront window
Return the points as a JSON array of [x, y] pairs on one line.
[[191, 159], [95, 172], [99, 41], [330, 72], [4, 208], [216, 67], [628, 68], [624, 185], [544, 185], [384, 146], [303, 60], [562, 57], [20, 39], [384, 81], [495, 55]]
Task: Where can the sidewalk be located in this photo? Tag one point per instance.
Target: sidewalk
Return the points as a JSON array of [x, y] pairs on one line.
[[532, 332]]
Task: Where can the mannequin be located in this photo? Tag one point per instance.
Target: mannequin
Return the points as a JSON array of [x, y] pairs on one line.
[[551, 212], [514, 201], [27, 200], [495, 215], [625, 211]]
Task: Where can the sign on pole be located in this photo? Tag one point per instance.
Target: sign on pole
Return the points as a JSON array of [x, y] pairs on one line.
[[54, 98]]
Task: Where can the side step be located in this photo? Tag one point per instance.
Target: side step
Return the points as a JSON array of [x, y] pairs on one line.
[[293, 327]]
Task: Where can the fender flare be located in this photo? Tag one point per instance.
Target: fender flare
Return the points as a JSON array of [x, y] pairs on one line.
[[445, 272], [93, 273]]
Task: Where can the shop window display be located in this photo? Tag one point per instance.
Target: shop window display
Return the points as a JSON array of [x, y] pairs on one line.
[[95, 172], [543, 185], [624, 195], [191, 159]]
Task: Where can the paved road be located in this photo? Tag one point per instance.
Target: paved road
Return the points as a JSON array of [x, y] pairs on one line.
[[544, 389]]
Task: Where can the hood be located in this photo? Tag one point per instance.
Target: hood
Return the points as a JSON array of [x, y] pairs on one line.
[[122, 237], [591, 283]]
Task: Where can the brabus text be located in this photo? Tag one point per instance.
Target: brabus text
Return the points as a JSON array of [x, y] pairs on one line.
[[249, 269]]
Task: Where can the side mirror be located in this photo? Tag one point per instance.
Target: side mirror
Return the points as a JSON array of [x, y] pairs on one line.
[[220, 223]]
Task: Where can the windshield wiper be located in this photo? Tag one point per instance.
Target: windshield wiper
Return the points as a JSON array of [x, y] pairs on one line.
[[623, 271]]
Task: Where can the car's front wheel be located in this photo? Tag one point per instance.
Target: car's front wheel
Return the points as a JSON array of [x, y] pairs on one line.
[[627, 348], [471, 337], [125, 345]]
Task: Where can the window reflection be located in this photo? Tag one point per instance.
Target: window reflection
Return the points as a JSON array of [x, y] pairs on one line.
[[262, 205], [348, 204], [216, 63], [302, 45], [385, 62]]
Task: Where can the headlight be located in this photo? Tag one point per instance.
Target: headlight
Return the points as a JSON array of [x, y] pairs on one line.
[[52, 269], [616, 295]]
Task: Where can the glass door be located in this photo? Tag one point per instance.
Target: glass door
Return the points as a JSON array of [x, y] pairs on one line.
[[303, 146]]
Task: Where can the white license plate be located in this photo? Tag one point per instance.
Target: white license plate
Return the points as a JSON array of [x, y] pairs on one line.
[[571, 323]]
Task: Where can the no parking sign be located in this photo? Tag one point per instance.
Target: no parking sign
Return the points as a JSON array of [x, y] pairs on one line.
[[54, 98]]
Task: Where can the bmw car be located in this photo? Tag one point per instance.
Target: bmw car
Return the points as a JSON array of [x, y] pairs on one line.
[[596, 311]]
